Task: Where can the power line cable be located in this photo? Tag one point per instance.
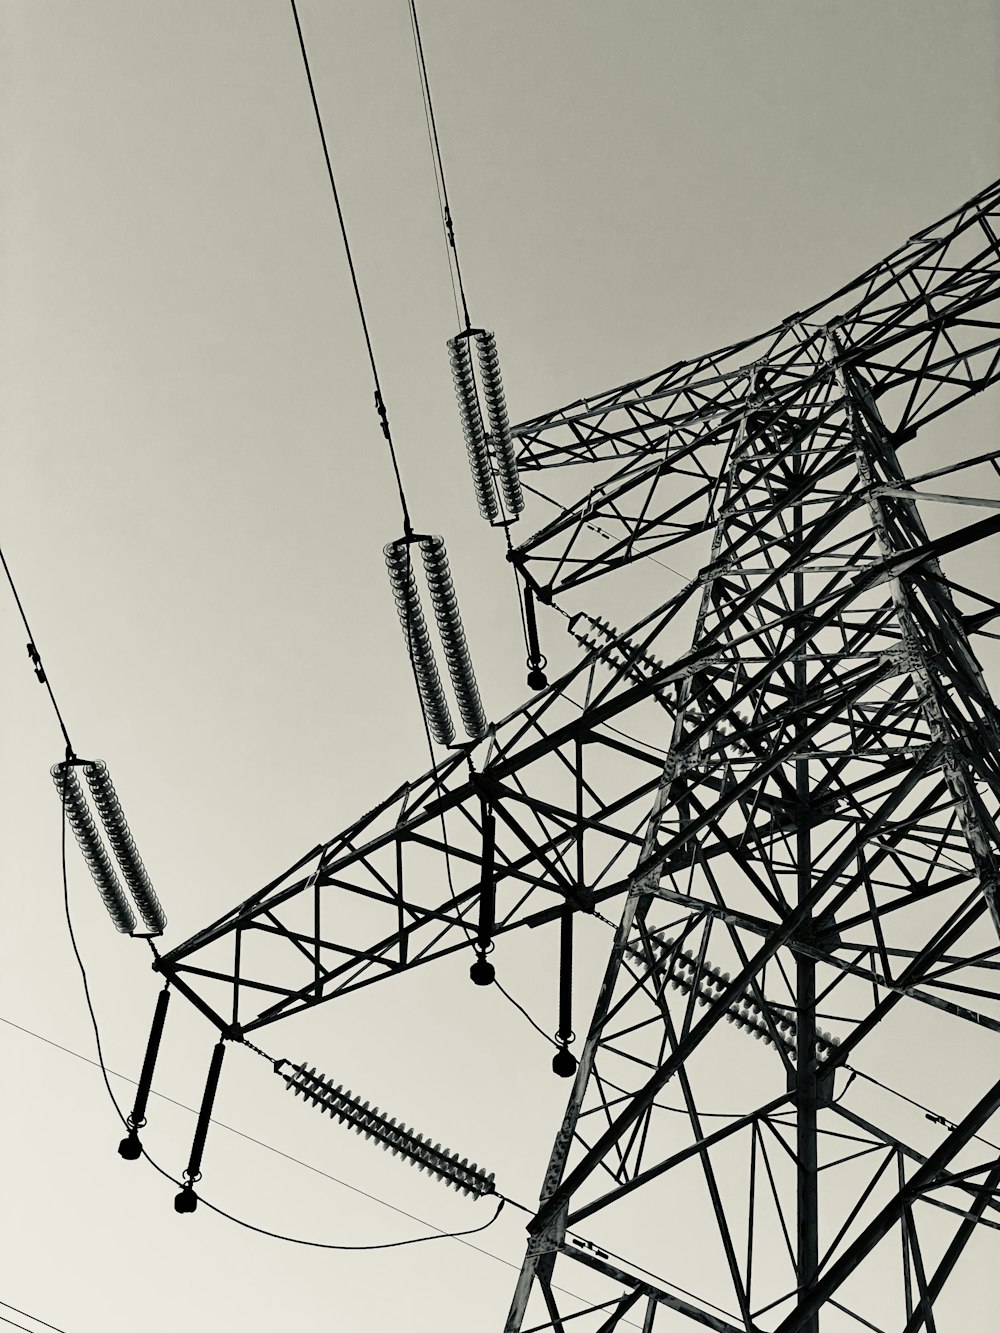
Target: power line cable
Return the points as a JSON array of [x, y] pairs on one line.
[[36, 658], [379, 400], [249, 1226], [221, 1124], [261, 1143], [446, 218], [7, 1306], [13, 1324]]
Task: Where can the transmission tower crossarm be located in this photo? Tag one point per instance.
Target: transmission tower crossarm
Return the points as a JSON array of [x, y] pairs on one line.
[[924, 332], [915, 293], [787, 775]]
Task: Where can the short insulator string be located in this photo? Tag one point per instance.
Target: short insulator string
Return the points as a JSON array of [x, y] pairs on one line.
[[449, 226], [380, 407]]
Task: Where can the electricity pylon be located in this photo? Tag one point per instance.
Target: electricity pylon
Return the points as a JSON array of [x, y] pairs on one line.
[[795, 817]]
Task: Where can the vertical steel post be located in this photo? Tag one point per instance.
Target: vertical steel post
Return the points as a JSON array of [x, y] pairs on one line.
[[806, 1090]]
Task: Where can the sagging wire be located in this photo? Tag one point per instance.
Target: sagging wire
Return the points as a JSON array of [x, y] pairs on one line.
[[298, 1161], [185, 1185]]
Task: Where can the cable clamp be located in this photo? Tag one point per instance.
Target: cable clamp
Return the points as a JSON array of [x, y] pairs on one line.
[[36, 662], [383, 415]]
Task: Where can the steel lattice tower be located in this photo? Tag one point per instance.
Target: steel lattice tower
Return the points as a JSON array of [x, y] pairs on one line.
[[794, 817]]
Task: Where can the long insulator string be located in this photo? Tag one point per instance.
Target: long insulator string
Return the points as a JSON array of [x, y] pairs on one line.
[[123, 845], [394, 1136], [433, 703], [449, 225], [452, 634], [379, 400], [92, 846]]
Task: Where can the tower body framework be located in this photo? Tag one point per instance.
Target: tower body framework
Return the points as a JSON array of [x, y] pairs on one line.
[[793, 817]]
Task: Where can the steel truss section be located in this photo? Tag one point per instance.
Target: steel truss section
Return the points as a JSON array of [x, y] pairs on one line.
[[797, 817]]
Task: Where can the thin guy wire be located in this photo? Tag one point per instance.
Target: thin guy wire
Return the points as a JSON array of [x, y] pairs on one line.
[[33, 644], [13, 1324], [380, 402], [7, 1306], [440, 197], [449, 223], [261, 1143]]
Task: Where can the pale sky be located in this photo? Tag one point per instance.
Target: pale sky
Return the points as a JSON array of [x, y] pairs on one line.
[[196, 496]]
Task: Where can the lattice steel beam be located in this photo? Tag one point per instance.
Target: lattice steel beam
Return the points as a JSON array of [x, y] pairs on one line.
[[797, 814]]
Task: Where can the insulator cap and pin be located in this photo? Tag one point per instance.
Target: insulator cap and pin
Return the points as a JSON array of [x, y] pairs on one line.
[[448, 620], [491, 457]]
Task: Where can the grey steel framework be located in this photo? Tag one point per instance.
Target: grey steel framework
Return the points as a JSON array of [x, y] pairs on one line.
[[795, 817]]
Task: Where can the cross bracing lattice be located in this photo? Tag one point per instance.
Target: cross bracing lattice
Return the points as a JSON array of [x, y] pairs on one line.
[[791, 810]]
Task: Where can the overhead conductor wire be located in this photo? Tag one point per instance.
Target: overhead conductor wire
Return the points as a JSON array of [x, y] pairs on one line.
[[449, 225], [383, 418], [249, 1226], [36, 660], [454, 264], [7, 1306], [379, 400]]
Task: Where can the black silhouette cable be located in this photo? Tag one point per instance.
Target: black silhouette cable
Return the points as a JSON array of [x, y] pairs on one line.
[[36, 658], [379, 400], [13, 1323], [7, 1306], [249, 1226], [454, 267], [449, 225]]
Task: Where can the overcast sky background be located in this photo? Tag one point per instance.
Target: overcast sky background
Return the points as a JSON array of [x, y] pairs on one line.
[[196, 493]]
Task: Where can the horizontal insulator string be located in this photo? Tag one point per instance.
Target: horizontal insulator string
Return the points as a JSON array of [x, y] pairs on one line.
[[396, 1137]]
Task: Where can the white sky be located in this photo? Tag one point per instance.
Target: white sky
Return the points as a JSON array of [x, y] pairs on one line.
[[196, 495]]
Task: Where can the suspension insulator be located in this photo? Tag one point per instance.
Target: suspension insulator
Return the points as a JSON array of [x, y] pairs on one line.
[[536, 662], [460, 357], [496, 412], [130, 1147], [123, 844], [418, 643], [449, 623], [187, 1200], [92, 846], [370, 1121]]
